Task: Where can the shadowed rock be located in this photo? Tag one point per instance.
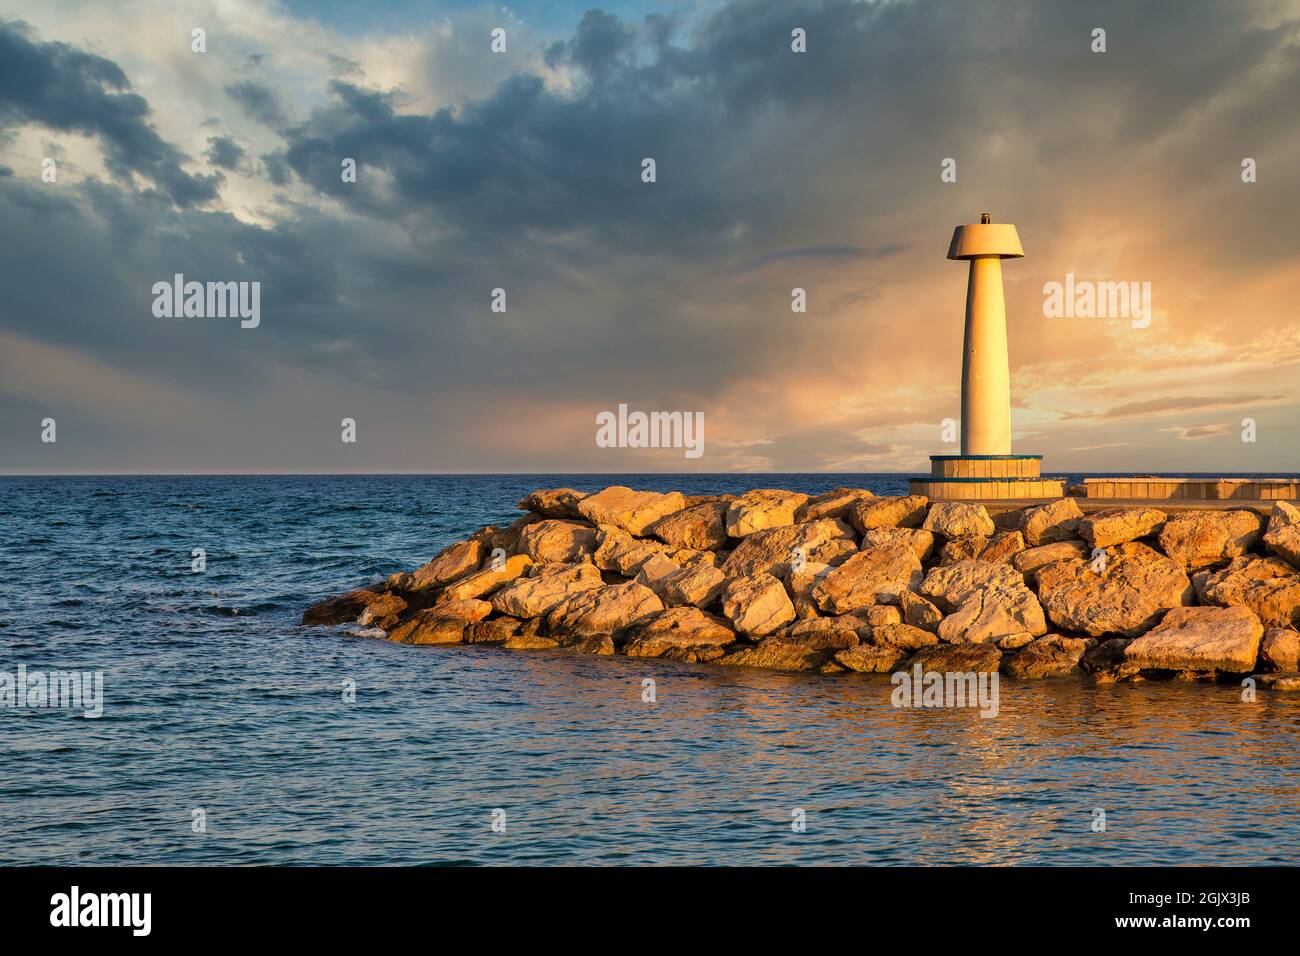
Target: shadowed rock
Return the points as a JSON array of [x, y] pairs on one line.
[[554, 502], [1280, 649], [1050, 656], [776, 655], [443, 624], [871, 659], [657, 633], [956, 658]]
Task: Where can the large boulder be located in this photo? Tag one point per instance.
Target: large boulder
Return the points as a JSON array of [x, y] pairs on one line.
[[601, 611], [443, 624], [952, 519], [1268, 586], [495, 630], [1106, 662], [556, 540], [906, 511], [656, 634], [920, 540], [919, 612], [1283, 534], [702, 527], [1200, 639], [991, 614], [1199, 539], [1053, 655], [871, 658], [956, 550], [617, 550], [381, 606], [1055, 521], [1002, 547], [1112, 526], [762, 508], [824, 633], [949, 586], [870, 577], [482, 583], [956, 658], [546, 589], [772, 550], [1280, 649], [553, 502], [833, 504], [757, 605], [1030, 560], [1283, 682], [452, 562], [776, 655], [1137, 586], [699, 585], [800, 584], [655, 572], [633, 511], [902, 636]]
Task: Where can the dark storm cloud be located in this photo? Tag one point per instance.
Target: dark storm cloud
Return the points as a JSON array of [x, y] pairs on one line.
[[63, 88], [277, 169], [259, 101], [768, 161], [224, 152]]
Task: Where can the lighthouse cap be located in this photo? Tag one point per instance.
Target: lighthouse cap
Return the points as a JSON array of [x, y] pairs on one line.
[[985, 238]]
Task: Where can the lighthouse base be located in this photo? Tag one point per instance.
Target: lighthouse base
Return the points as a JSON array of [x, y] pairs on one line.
[[979, 477]]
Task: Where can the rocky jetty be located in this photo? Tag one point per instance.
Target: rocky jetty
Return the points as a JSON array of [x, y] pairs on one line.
[[851, 582]]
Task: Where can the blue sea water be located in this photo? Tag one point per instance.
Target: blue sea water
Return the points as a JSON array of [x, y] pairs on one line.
[[216, 700]]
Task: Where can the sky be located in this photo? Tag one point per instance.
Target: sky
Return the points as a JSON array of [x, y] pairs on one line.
[[522, 170]]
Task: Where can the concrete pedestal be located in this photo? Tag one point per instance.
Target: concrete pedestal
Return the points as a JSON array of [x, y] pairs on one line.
[[984, 477]]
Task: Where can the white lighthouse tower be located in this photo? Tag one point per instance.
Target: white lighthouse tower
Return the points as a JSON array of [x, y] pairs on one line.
[[986, 468]]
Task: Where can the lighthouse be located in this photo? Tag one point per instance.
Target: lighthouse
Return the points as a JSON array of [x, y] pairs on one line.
[[986, 468]]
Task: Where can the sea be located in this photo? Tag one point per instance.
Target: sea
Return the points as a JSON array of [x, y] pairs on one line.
[[229, 734]]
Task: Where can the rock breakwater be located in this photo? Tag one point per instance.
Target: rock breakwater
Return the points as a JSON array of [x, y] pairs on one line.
[[850, 582]]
